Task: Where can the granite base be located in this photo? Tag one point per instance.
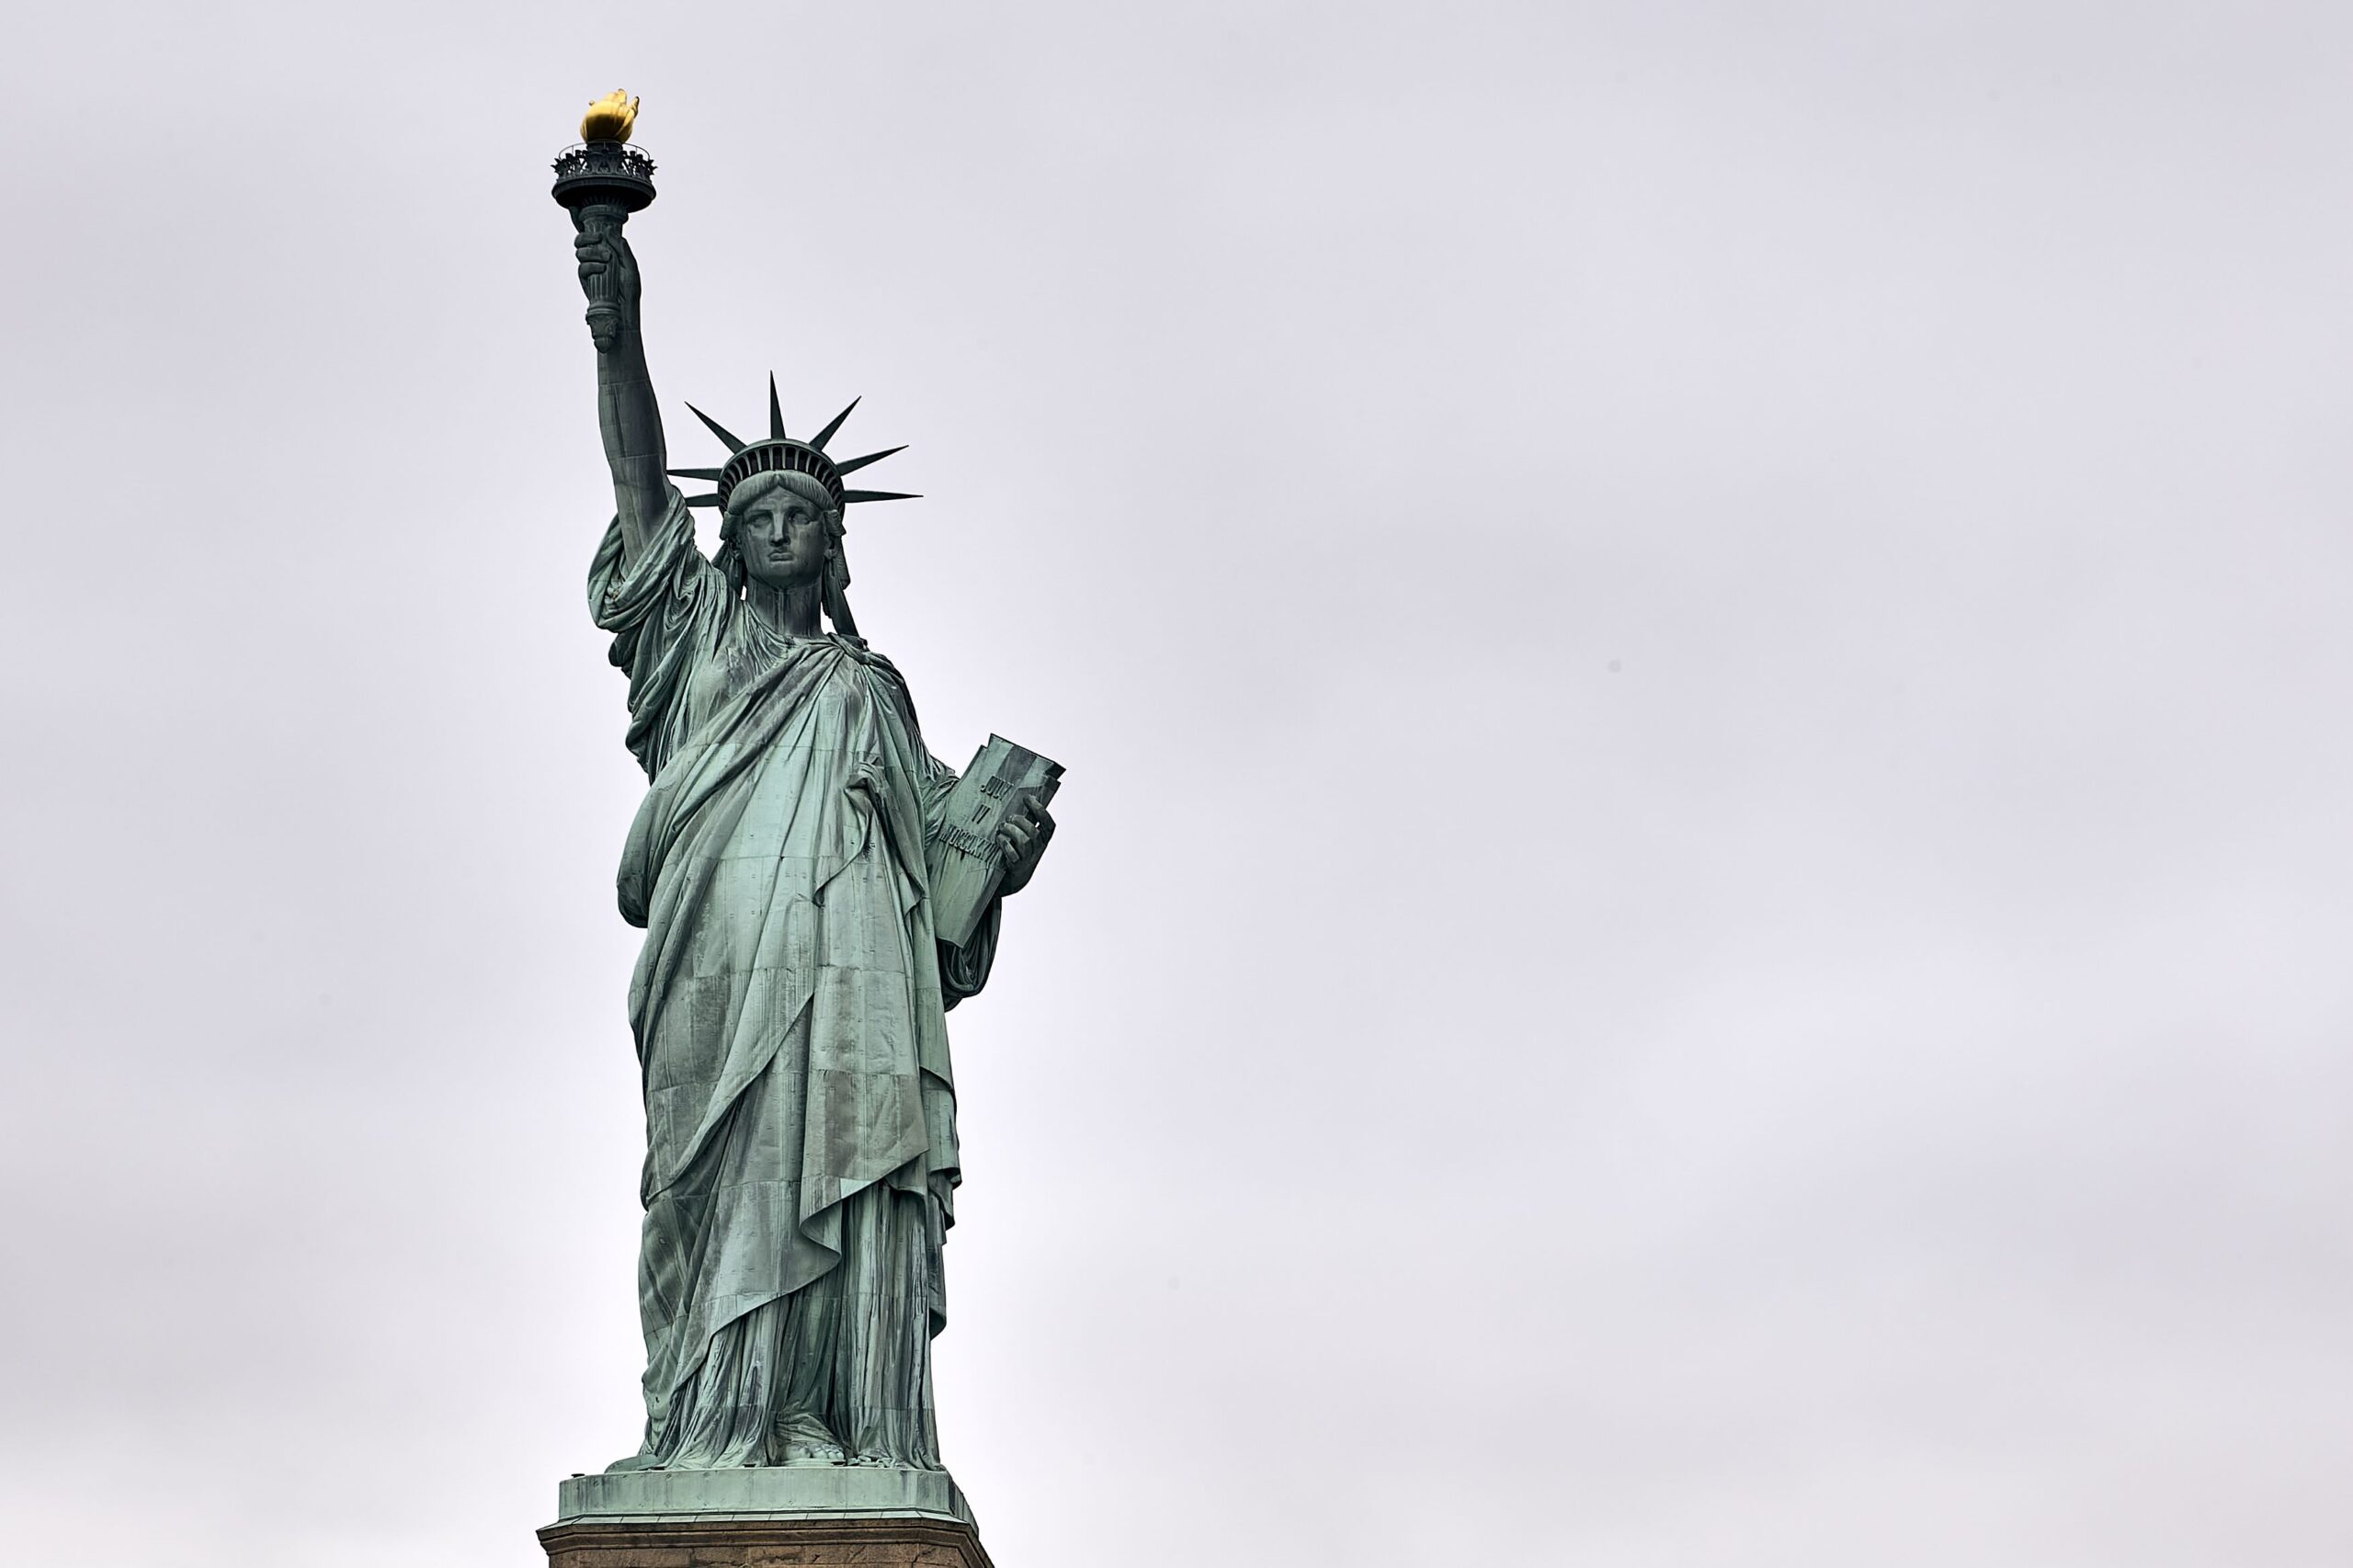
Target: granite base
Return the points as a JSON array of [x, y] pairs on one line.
[[713, 1541]]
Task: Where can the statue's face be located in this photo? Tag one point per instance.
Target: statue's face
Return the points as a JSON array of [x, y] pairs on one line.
[[782, 537]]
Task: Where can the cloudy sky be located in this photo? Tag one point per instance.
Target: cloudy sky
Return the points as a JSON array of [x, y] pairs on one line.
[[1703, 652]]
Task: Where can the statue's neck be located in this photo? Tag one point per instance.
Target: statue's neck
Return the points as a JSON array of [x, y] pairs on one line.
[[791, 609]]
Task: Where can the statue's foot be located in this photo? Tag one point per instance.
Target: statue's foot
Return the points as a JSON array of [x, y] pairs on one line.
[[892, 1461], [814, 1453], [807, 1440]]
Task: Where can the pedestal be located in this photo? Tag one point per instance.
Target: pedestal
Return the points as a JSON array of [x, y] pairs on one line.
[[813, 1516]]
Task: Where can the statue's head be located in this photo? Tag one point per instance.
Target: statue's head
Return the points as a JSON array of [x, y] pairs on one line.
[[784, 529], [783, 500]]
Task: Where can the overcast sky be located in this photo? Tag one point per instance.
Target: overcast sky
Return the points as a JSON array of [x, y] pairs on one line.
[[1703, 652]]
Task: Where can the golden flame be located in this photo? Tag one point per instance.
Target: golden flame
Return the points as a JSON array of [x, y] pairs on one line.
[[609, 118]]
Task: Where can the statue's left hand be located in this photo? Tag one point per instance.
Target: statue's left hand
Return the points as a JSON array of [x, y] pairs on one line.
[[1022, 838]]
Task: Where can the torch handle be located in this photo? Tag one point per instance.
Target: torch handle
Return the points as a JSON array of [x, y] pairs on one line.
[[604, 220]]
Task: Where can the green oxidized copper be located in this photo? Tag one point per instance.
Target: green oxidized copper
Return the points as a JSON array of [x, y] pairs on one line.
[[790, 1004]]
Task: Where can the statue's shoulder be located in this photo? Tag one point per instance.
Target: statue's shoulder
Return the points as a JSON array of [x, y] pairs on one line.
[[857, 649], [882, 678]]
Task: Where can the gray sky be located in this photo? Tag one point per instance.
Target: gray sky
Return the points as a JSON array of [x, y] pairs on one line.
[[1702, 652]]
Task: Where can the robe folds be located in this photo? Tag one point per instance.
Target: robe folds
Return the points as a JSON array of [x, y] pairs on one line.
[[789, 1006]]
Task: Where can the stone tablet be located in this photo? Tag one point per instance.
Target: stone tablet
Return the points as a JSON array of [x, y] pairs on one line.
[[967, 861]]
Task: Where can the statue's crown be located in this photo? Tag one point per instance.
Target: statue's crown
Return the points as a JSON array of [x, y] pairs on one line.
[[782, 454]]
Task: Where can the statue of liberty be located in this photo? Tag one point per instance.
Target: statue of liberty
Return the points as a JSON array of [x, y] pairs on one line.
[[790, 1002]]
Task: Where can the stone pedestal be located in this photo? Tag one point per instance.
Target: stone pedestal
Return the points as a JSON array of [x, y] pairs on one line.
[[716, 1541], [818, 1517]]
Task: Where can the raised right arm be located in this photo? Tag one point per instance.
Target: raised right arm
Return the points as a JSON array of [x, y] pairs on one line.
[[626, 411]]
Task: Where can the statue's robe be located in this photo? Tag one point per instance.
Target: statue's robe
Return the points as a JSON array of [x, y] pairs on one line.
[[788, 1007]]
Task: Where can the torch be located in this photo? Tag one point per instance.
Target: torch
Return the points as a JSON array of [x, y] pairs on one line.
[[602, 180]]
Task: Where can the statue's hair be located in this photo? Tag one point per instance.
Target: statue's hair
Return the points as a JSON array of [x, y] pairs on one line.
[[729, 556]]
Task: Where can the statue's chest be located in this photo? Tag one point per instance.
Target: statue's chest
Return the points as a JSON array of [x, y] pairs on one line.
[[827, 693]]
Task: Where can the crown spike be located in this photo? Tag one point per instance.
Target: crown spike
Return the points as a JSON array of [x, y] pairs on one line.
[[776, 412], [710, 474], [851, 496], [710, 500], [851, 465], [826, 435], [717, 428]]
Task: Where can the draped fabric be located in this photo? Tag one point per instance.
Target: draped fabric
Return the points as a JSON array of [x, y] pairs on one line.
[[789, 1006]]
